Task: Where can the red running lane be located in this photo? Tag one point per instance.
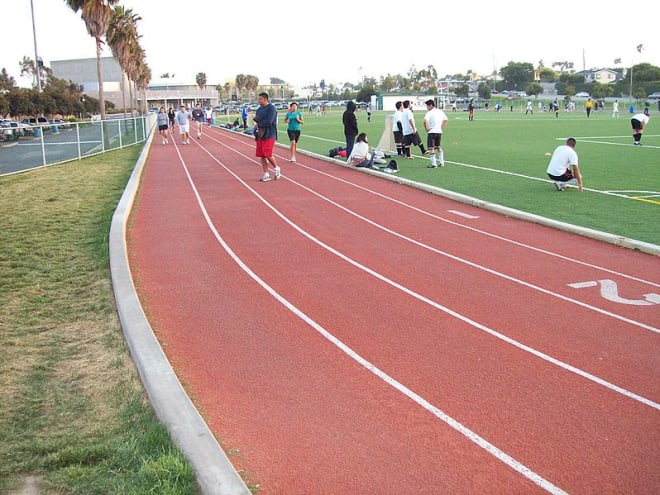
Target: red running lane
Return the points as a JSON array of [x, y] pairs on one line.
[[465, 320]]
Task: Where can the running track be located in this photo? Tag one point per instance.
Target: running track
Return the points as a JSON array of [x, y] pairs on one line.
[[342, 333]]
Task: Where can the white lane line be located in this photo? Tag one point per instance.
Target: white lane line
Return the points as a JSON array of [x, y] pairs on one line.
[[463, 214], [438, 413]]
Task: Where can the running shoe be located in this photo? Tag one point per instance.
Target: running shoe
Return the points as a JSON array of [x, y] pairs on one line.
[[277, 173], [265, 177]]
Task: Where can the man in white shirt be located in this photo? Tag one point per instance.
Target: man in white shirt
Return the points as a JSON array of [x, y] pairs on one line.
[[638, 122], [435, 122], [410, 134], [397, 128], [563, 167]]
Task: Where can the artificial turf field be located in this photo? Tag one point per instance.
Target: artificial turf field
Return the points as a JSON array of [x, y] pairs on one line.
[[500, 157]]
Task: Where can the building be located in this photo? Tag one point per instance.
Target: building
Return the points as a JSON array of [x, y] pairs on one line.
[[83, 72], [167, 93], [603, 76]]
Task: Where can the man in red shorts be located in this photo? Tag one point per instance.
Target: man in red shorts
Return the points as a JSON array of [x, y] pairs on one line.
[[265, 132]]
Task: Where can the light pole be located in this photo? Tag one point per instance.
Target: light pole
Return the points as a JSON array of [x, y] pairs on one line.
[[640, 47], [37, 69]]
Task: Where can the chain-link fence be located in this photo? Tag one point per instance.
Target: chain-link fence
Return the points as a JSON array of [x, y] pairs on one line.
[[66, 141]]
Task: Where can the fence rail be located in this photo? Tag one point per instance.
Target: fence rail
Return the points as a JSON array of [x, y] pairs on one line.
[[56, 143]]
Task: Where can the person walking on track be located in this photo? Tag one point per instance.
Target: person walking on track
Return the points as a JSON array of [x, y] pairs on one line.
[[265, 132]]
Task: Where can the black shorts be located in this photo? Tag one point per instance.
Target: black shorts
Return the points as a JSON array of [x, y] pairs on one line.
[[568, 175], [163, 127], [433, 140], [398, 137], [408, 139], [293, 135], [636, 124]]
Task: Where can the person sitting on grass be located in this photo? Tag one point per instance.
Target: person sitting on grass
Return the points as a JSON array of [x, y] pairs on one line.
[[360, 155]]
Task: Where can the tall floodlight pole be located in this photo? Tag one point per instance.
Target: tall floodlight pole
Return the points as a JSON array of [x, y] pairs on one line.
[[37, 69], [640, 47]]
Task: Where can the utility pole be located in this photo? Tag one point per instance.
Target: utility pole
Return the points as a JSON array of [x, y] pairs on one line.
[[37, 64]]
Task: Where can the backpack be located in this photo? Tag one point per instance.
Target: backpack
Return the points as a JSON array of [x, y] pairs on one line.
[[335, 152], [391, 168]]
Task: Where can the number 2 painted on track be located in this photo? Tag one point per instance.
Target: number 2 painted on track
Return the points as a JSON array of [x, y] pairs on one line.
[[610, 291]]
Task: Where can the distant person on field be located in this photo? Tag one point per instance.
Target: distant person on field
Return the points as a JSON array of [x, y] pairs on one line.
[[639, 122], [563, 167], [397, 127], [529, 108], [555, 107], [209, 115], [615, 109], [361, 155], [589, 106], [184, 125], [265, 120], [294, 121], [435, 122], [471, 107], [349, 120], [163, 120]]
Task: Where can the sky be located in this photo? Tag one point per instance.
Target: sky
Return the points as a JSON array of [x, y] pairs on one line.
[[303, 42]]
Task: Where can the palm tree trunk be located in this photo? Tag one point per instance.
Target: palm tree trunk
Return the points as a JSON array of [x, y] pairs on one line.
[[99, 72], [123, 91]]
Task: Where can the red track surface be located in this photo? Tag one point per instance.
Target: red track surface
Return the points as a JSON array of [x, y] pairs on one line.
[[402, 348]]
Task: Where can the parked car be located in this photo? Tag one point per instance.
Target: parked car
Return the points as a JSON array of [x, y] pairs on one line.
[[8, 133], [654, 96], [62, 124], [582, 94]]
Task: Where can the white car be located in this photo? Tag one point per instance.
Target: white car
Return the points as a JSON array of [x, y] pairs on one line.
[[654, 96], [582, 94]]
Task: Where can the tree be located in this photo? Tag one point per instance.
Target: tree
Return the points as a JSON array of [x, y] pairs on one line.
[[200, 79], [534, 88], [96, 14], [600, 90], [517, 74], [122, 36], [483, 90], [548, 75], [6, 81]]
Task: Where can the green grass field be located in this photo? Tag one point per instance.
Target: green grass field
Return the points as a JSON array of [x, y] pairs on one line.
[[500, 157]]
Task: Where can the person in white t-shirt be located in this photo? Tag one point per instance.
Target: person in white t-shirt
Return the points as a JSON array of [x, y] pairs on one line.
[[435, 122], [397, 127], [638, 123], [615, 109], [563, 167], [361, 155]]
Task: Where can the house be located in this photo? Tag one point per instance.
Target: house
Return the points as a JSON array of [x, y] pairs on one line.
[[603, 76]]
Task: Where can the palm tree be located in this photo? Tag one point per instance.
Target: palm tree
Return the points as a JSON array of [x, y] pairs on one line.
[[121, 36], [96, 14], [201, 81]]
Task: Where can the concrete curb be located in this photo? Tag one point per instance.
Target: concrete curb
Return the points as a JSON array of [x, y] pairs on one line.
[[215, 473]]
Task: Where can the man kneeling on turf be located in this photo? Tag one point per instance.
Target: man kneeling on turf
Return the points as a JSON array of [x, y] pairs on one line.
[[563, 168]]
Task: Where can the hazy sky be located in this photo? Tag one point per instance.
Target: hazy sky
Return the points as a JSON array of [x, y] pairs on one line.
[[303, 42]]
